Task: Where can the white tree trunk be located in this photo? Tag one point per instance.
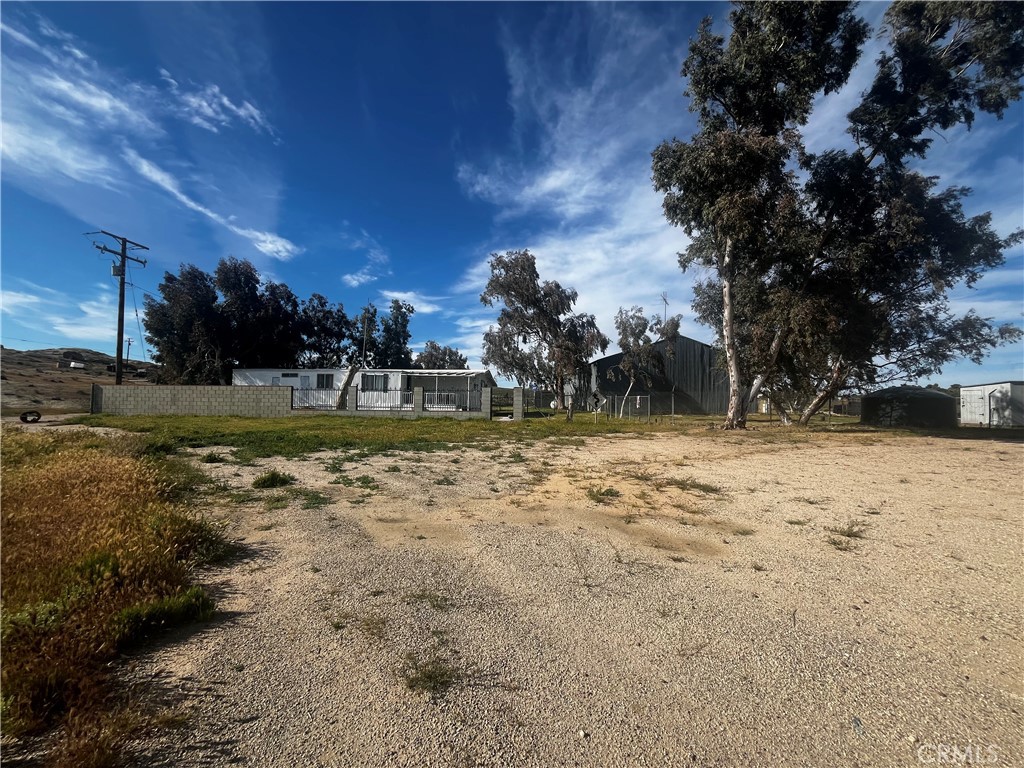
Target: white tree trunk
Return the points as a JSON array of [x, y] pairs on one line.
[[773, 355], [622, 408], [826, 393], [736, 418]]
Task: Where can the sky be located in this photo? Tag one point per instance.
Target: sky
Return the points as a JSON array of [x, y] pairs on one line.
[[372, 151]]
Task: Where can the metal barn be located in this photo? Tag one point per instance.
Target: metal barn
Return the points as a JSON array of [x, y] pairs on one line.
[[993, 405], [691, 381]]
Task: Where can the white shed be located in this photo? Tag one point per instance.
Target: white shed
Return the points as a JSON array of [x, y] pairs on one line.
[[1000, 404]]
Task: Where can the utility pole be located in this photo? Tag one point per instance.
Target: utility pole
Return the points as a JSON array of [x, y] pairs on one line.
[[128, 352], [119, 270], [664, 298]]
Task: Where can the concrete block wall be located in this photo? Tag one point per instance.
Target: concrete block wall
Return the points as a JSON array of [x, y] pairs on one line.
[[256, 402]]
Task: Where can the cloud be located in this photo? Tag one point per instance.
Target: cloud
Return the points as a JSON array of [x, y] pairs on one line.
[[42, 152], [13, 302], [424, 305], [209, 108], [377, 258], [268, 243], [46, 311]]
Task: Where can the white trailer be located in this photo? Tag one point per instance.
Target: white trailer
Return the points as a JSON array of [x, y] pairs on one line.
[[1000, 404]]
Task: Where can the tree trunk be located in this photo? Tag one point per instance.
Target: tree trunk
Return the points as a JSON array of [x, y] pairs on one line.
[[349, 378], [827, 392], [784, 417], [736, 418], [559, 392], [622, 408], [773, 355]]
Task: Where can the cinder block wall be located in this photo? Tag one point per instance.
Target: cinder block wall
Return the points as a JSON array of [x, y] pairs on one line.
[[128, 400]]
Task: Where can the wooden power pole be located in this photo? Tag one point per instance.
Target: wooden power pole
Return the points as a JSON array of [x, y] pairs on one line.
[[122, 254]]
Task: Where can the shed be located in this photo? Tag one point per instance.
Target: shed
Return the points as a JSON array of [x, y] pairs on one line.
[[908, 407], [689, 381], [1000, 404]]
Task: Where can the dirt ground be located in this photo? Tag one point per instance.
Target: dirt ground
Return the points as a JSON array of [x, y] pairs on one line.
[[639, 600]]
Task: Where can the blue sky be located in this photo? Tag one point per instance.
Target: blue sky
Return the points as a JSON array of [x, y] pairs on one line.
[[377, 151]]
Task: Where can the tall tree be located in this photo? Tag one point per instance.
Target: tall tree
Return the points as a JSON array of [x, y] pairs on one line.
[[538, 338], [393, 347], [436, 357], [187, 330], [859, 256], [638, 340], [326, 333], [732, 180]]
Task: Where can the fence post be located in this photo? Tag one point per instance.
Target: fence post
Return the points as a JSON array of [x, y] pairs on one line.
[[417, 402], [353, 399], [518, 411], [485, 401]]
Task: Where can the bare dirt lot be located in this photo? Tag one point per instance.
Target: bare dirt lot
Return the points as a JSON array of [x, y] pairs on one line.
[[659, 600]]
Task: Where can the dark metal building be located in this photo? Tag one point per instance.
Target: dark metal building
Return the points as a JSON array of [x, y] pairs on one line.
[[690, 381]]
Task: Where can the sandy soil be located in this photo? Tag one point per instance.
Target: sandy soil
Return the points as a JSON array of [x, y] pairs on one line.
[[664, 625]]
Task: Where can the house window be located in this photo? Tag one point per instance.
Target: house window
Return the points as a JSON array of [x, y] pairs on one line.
[[289, 375], [325, 381], [375, 382]]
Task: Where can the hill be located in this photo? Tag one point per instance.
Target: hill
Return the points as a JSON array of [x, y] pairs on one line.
[[34, 380]]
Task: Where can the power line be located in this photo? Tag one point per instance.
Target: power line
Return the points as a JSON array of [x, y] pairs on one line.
[[138, 322]]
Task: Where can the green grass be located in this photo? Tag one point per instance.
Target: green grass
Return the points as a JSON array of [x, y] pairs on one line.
[[602, 495], [302, 435], [433, 674], [689, 484], [99, 548], [273, 479]]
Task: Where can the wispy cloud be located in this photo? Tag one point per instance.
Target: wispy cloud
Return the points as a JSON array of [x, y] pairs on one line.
[[45, 311], [71, 124], [424, 305], [267, 243], [378, 259], [578, 163]]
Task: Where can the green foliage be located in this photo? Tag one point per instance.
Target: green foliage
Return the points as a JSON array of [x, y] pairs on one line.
[[840, 279], [436, 357], [538, 338], [273, 479]]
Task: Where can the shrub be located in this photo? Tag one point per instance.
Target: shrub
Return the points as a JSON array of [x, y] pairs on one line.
[[273, 479]]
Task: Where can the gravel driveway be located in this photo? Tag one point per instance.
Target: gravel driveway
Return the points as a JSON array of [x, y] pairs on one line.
[[619, 601]]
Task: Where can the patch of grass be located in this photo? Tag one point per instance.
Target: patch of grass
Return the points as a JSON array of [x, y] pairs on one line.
[[690, 484], [393, 468], [97, 556], [276, 502], [854, 529], [435, 600], [212, 458], [516, 457], [602, 495], [242, 497], [433, 674], [842, 544], [313, 499], [273, 479], [445, 480]]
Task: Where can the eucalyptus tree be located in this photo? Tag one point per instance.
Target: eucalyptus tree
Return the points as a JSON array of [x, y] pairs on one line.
[[845, 280], [436, 357], [538, 338], [639, 339], [732, 180]]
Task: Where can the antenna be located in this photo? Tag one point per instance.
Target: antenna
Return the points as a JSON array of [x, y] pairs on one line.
[[664, 298]]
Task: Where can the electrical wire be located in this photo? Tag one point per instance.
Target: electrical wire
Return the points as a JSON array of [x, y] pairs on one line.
[[138, 321]]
